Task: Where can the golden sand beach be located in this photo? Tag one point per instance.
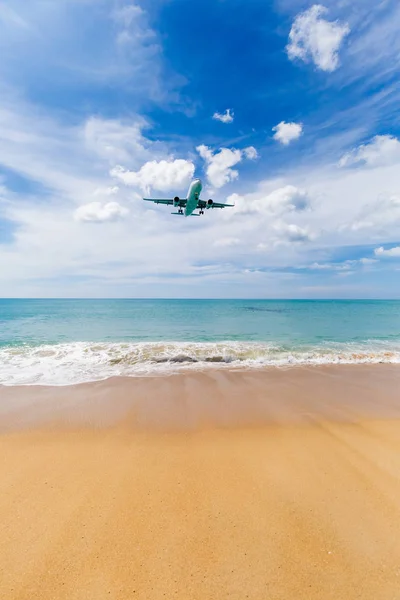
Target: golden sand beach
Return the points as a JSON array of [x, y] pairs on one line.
[[275, 484]]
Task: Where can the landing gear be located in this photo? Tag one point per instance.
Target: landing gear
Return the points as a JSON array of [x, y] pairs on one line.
[[201, 212], [180, 211]]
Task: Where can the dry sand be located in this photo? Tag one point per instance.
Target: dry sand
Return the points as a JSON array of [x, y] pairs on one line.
[[261, 485]]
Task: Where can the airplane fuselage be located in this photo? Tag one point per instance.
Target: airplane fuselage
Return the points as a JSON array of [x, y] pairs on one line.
[[193, 196], [187, 206]]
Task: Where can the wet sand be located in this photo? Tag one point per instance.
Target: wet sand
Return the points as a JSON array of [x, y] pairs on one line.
[[278, 484]]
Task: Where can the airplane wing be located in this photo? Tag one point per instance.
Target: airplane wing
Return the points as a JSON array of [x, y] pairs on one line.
[[167, 201], [205, 204]]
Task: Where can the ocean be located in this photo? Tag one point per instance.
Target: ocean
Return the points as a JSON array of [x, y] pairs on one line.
[[62, 342]]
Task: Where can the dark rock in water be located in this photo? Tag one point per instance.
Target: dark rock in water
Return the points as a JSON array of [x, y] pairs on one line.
[[181, 358], [263, 309], [216, 359]]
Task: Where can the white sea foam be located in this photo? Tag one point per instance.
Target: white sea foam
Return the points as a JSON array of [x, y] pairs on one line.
[[71, 363]]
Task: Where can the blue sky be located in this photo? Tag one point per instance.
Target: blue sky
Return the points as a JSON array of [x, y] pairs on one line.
[[289, 109]]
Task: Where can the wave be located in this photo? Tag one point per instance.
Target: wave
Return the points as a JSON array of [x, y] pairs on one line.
[[79, 362]]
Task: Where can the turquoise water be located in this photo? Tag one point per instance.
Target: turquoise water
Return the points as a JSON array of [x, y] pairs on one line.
[[66, 341]]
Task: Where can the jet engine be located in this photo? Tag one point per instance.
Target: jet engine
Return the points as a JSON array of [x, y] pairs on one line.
[[176, 201], [210, 203]]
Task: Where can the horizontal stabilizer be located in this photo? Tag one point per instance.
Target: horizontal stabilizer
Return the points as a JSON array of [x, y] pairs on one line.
[[177, 213]]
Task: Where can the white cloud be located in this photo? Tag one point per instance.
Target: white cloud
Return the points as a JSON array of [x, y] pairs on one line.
[[227, 242], [131, 27], [287, 132], [116, 140], [262, 246], [285, 199], [314, 38], [380, 151], [293, 233], [328, 267], [377, 214], [106, 191], [347, 265], [226, 117], [127, 14], [251, 152], [219, 164], [96, 212], [163, 175], [392, 252]]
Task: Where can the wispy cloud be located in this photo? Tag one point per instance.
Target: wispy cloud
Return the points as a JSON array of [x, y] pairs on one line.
[[76, 44], [11, 18]]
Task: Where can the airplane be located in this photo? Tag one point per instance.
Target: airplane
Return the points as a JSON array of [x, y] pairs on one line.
[[187, 206]]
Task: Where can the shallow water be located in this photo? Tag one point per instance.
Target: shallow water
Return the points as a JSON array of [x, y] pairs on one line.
[[69, 341]]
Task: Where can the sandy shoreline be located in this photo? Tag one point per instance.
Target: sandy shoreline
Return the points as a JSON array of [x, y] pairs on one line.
[[282, 484], [209, 399]]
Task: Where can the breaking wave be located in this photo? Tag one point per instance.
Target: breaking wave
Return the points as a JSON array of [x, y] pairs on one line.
[[71, 363]]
